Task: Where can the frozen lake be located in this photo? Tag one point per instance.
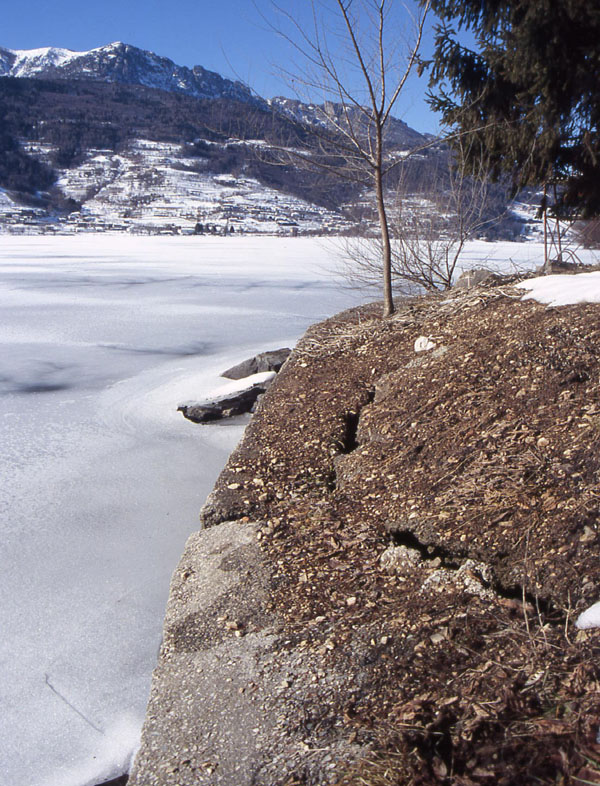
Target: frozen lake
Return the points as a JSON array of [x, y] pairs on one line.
[[101, 480]]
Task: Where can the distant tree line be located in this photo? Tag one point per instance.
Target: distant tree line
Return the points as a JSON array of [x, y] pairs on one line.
[[20, 171]]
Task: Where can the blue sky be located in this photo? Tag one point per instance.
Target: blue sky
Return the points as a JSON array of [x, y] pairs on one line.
[[227, 36]]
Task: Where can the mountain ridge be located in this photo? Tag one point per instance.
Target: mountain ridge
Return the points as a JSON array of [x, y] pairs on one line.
[[124, 64], [331, 115], [121, 137]]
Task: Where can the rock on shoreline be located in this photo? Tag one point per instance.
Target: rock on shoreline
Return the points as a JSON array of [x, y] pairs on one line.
[[237, 401], [272, 360], [254, 375]]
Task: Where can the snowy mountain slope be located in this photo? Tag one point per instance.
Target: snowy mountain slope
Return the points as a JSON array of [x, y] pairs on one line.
[[102, 141], [31, 62], [124, 64], [330, 115], [157, 187], [121, 138], [153, 185]]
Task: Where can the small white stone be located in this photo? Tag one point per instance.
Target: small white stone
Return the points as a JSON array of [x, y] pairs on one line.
[[424, 344], [590, 618]]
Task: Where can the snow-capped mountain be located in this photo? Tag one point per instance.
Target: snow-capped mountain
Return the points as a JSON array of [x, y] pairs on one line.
[[125, 64], [119, 138]]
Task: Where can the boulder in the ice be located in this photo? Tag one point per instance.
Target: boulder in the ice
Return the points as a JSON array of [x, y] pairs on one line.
[[264, 361], [229, 401]]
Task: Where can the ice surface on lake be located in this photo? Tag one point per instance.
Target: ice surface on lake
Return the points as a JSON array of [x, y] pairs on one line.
[[101, 480]]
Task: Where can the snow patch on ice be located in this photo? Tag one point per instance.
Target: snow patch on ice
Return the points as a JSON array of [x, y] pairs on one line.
[[237, 385], [229, 389]]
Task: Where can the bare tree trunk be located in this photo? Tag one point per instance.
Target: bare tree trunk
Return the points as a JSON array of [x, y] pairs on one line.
[[427, 237], [386, 246]]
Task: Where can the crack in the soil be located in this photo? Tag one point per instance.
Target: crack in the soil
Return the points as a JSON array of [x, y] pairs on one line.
[[349, 441], [428, 552], [544, 607], [546, 610]]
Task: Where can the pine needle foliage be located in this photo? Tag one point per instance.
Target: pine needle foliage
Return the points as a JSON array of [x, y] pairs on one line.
[[526, 88]]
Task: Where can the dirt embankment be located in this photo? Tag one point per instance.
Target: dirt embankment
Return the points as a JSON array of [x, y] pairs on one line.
[[430, 525]]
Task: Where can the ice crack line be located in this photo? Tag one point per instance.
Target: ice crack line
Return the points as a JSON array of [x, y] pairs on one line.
[[71, 706]]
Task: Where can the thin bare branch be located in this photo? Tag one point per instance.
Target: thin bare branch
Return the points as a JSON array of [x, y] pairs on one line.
[[359, 54], [382, 69], [411, 62]]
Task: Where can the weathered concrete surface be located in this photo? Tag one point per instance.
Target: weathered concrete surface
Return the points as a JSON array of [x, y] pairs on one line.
[[228, 693], [203, 712]]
